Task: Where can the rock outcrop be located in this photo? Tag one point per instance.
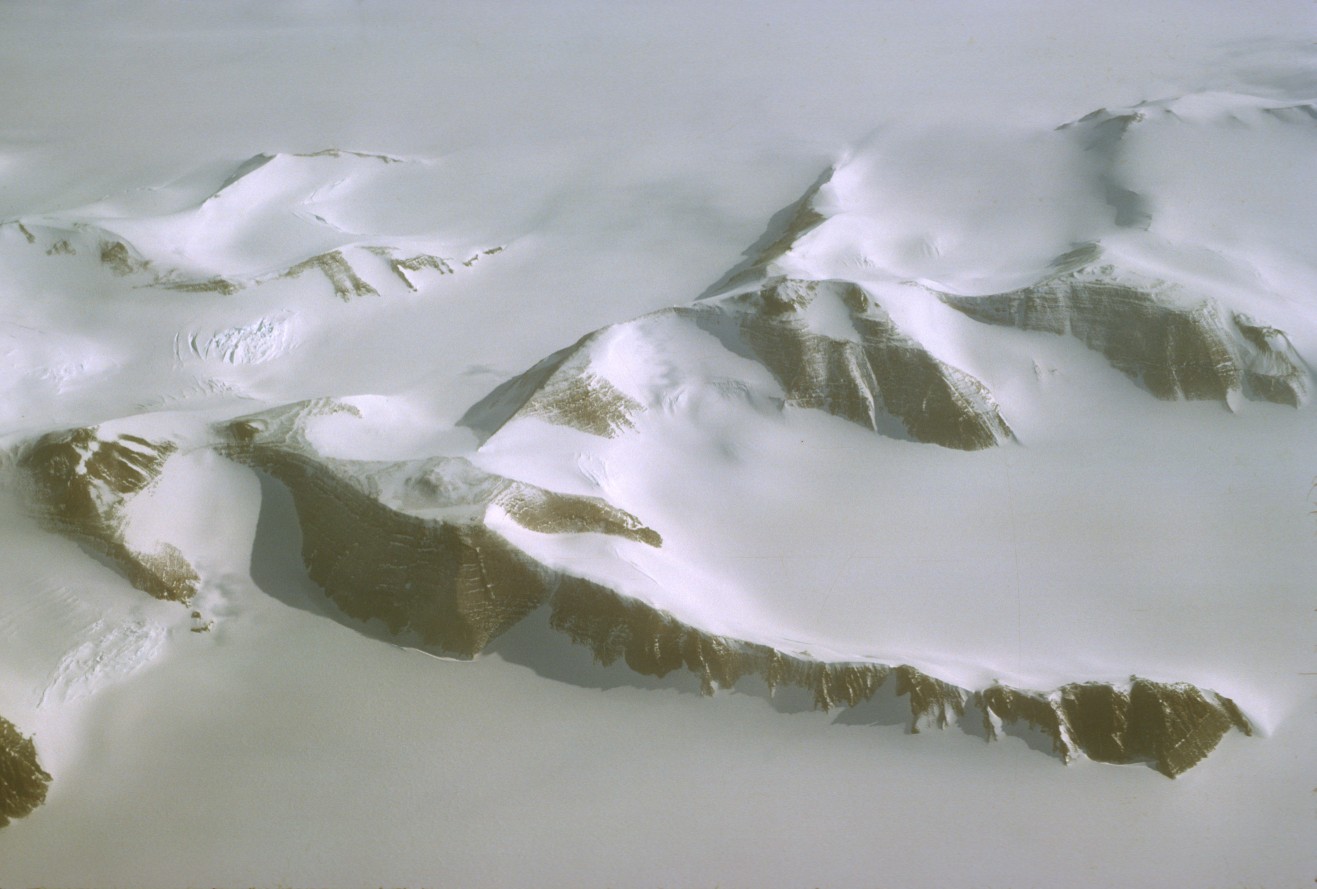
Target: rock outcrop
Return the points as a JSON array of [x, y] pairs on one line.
[[22, 780], [338, 271], [222, 286], [405, 267], [550, 512], [1173, 346], [879, 372], [455, 585], [414, 544], [406, 543], [121, 259], [80, 483], [1171, 725], [562, 389], [654, 643], [870, 373]]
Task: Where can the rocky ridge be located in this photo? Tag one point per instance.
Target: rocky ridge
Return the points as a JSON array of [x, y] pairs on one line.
[[868, 373], [407, 543], [1169, 343]]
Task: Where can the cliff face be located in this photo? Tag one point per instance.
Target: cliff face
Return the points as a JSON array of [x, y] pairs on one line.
[[22, 780], [1171, 725], [80, 484], [406, 542], [454, 584], [1173, 348], [879, 371]]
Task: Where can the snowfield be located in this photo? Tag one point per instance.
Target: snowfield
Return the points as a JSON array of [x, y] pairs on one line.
[[738, 446]]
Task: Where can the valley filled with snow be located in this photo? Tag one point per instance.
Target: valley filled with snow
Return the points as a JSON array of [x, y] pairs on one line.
[[661, 445]]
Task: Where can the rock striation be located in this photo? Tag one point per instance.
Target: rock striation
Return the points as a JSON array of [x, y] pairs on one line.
[[874, 374], [407, 543], [1173, 726], [1174, 347], [338, 271], [859, 367]]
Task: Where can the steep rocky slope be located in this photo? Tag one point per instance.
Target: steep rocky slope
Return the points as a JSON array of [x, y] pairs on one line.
[[22, 780], [80, 484], [1169, 343], [407, 543]]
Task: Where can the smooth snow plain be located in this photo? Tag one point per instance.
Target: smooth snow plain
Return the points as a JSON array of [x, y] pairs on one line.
[[578, 168]]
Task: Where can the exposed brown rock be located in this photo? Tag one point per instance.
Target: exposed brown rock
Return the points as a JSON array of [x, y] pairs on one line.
[[1012, 705], [405, 542], [1173, 726], [383, 542], [121, 259], [22, 780], [446, 488], [929, 698], [222, 286], [552, 513], [80, 483], [881, 371], [650, 642], [879, 379], [1172, 348], [1096, 718], [417, 263], [560, 389], [833, 684], [803, 219], [1237, 717], [455, 585], [586, 402], [654, 643], [784, 229], [334, 266], [401, 266]]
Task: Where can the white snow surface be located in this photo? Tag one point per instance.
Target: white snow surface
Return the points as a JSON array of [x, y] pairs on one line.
[[575, 168]]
